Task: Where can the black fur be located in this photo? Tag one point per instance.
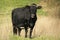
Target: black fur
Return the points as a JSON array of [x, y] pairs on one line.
[[24, 17]]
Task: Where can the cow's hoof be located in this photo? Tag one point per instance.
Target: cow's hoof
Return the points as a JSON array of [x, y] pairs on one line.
[[25, 36], [30, 37]]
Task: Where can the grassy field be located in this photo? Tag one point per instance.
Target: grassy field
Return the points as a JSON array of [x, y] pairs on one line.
[[6, 7], [37, 38]]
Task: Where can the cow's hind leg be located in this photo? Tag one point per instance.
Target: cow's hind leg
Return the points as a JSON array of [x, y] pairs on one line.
[[14, 30], [19, 31]]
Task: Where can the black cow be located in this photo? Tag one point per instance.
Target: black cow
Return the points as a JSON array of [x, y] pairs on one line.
[[24, 17]]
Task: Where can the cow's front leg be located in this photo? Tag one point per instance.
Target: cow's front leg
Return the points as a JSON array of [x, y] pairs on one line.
[[26, 30], [31, 29]]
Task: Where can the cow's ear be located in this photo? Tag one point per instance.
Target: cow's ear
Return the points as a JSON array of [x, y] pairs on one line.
[[39, 7]]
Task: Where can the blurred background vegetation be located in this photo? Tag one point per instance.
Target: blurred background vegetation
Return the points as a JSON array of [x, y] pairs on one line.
[[8, 5], [48, 22]]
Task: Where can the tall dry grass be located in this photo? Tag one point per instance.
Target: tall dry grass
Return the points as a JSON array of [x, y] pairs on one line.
[[46, 25]]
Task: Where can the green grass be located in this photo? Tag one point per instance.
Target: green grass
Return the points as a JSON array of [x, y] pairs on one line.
[[35, 38], [41, 12], [16, 3], [6, 6]]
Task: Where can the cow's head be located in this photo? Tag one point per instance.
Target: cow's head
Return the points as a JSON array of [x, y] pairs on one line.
[[33, 9]]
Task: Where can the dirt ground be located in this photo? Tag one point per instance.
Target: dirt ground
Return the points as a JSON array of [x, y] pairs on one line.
[[44, 26]]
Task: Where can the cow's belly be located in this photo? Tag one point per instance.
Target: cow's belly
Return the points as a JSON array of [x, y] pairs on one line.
[[20, 25]]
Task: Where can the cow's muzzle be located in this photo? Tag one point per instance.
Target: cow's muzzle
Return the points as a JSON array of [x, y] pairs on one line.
[[32, 15]]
